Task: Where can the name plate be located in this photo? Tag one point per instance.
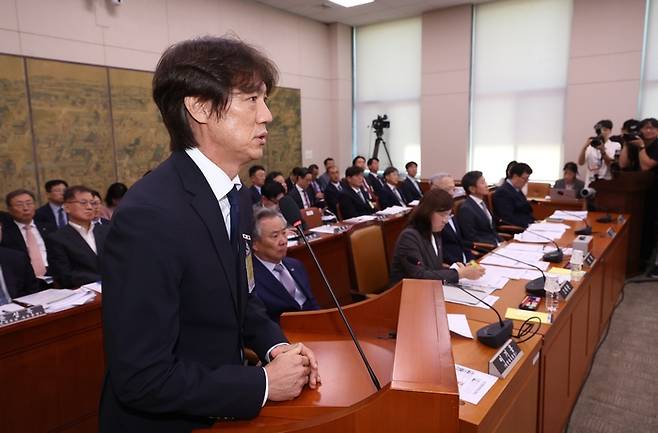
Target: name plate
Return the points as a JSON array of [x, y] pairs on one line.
[[611, 232], [589, 259], [565, 290], [621, 219], [20, 315], [505, 359]]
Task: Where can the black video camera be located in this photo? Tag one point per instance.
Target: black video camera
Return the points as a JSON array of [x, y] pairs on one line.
[[380, 123]]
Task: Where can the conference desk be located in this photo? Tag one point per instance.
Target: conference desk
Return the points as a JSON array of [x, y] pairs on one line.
[[543, 207]]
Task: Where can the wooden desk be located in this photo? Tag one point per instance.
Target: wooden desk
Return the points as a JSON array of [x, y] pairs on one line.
[[51, 371], [543, 207]]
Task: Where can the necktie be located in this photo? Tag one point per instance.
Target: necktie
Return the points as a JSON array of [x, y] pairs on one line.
[[339, 187], [289, 284], [486, 212], [307, 202], [61, 218], [363, 198], [399, 197], [34, 253], [234, 201]]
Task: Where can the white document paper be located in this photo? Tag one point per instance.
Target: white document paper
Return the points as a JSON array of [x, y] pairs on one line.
[[46, 297], [548, 227], [413, 203], [360, 219], [10, 308], [96, 287], [80, 297], [458, 324], [473, 384], [392, 210], [324, 229], [571, 215], [512, 263], [456, 296]]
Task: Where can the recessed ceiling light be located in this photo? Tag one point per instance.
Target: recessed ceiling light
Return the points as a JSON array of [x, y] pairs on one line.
[[351, 3]]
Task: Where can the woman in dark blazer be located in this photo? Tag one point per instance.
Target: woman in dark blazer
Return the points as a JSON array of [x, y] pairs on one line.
[[418, 249], [570, 179]]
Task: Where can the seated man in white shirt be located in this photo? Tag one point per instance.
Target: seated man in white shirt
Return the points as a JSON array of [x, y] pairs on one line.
[[74, 250], [281, 282], [599, 153]]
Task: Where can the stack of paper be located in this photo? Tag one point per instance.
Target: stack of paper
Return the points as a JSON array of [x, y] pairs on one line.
[[516, 259], [473, 384], [360, 219], [514, 273], [570, 215], [392, 210], [324, 229], [493, 280], [457, 296], [58, 299]]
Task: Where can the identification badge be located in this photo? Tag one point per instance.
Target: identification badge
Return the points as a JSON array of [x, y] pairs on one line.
[[249, 266]]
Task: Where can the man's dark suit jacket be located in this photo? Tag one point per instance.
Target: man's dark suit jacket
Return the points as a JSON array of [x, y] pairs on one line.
[[351, 204], [276, 298], [176, 308], [414, 257], [474, 223], [452, 244], [375, 183], [578, 185], [45, 216], [331, 197], [13, 238], [294, 193], [255, 194], [511, 206], [387, 198], [410, 192], [18, 273], [71, 261]]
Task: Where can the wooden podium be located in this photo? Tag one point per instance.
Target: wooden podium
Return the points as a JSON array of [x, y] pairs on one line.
[[626, 193], [415, 367]]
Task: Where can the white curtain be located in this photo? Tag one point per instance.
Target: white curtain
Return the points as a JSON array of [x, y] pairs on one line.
[[519, 78], [649, 91], [387, 74]]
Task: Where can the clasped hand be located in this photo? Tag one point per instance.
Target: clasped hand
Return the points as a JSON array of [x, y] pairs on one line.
[[292, 367]]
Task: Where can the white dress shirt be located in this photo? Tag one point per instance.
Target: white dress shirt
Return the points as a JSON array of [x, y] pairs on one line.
[[594, 163], [35, 232], [221, 185], [55, 209], [87, 235]]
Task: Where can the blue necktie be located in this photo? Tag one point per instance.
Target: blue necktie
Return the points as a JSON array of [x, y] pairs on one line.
[[61, 222], [234, 201]]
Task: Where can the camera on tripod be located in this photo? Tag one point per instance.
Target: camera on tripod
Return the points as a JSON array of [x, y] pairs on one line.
[[380, 123]]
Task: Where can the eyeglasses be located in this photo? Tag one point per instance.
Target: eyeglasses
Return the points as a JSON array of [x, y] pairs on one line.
[[27, 204], [83, 203]]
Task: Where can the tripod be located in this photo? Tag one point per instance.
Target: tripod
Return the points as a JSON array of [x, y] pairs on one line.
[[378, 141]]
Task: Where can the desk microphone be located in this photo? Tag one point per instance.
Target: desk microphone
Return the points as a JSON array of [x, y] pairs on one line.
[[292, 215], [555, 256], [533, 287], [587, 230], [493, 335]]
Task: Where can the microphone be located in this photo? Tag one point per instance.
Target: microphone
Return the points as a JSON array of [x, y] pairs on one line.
[[326, 210], [533, 287], [555, 256], [493, 335], [292, 215], [587, 230]]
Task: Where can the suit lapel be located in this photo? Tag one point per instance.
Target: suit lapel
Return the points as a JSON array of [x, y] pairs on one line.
[[205, 204], [271, 281], [77, 239]]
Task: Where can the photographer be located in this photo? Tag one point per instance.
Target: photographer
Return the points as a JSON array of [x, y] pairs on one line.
[[647, 150], [629, 158], [598, 153]]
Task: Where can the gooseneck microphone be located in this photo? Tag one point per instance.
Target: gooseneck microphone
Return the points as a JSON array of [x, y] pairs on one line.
[[533, 287], [292, 215], [493, 335], [554, 256]]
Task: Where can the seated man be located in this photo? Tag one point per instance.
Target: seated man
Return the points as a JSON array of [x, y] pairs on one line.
[[301, 191], [510, 204], [257, 177], [410, 187], [281, 282], [333, 189], [271, 193], [451, 236], [18, 273], [74, 250], [353, 199], [389, 194], [475, 221]]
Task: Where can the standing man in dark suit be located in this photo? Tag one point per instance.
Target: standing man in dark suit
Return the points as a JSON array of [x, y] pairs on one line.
[[390, 194], [281, 282], [52, 214], [353, 199], [74, 250], [510, 204], [23, 233], [410, 187], [372, 178], [475, 220], [178, 306], [451, 236], [333, 189], [257, 177]]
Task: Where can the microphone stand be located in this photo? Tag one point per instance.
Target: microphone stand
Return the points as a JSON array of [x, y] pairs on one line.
[[587, 230], [534, 287], [551, 256]]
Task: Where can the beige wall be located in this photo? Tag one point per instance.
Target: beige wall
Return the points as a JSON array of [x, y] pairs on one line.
[[311, 56]]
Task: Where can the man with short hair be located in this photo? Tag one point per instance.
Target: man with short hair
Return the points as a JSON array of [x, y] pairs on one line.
[[178, 305], [451, 235], [96, 203], [475, 221], [271, 193], [301, 192], [410, 187], [281, 282], [373, 178], [277, 176], [52, 214], [598, 153], [353, 199], [25, 234], [333, 189], [323, 180], [510, 204], [359, 161], [389, 194], [257, 176], [74, 250], [315, 186]]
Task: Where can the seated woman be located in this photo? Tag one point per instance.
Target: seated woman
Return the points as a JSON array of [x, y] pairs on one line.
[[418, 249], [570, 180]]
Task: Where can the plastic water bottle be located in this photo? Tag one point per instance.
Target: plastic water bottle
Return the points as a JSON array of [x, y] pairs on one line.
[[576, 263], [552, 289]]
